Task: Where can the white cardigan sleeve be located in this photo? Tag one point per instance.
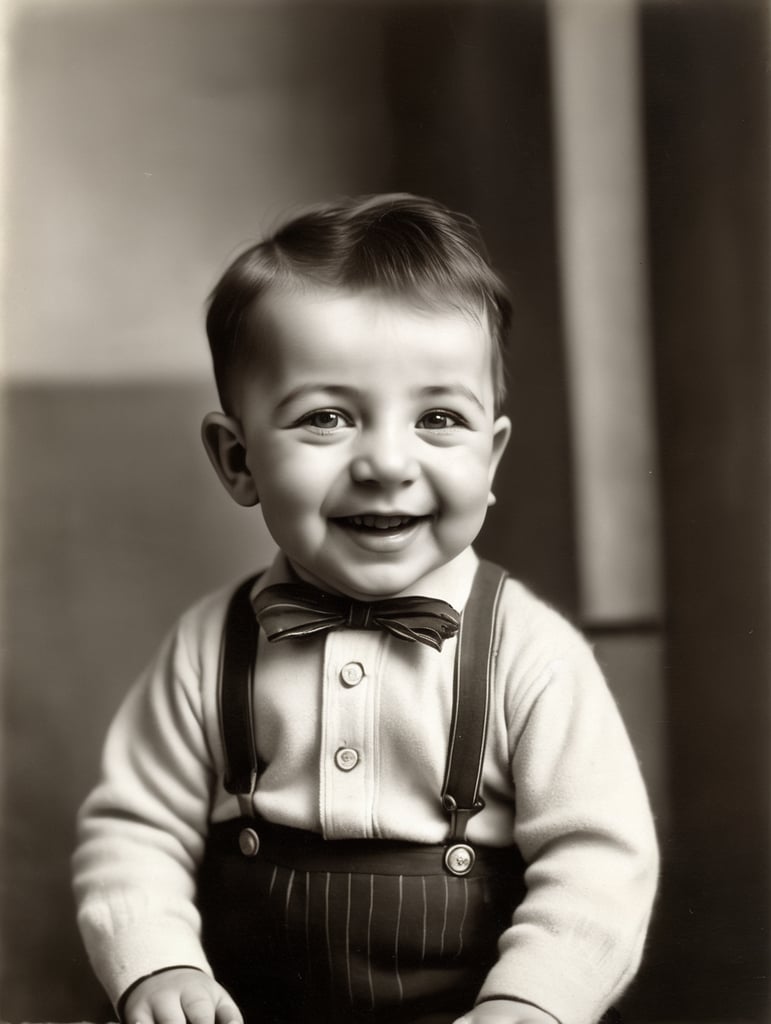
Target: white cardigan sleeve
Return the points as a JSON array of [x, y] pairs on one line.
[[584, 827], [141, 831]]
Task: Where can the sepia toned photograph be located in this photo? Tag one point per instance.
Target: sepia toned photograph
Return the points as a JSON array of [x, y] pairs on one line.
[[385, 512]]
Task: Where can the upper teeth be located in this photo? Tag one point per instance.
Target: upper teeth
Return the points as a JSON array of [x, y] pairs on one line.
[[380, 522]]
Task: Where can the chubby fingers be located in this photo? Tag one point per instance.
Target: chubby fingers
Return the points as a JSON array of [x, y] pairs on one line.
[[207, 1003], [181, 996], [197, 1004], [158, 1007], [226, 1011]]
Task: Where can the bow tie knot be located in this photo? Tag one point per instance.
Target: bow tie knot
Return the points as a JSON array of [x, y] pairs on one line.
[[358, 615], [290, 610]]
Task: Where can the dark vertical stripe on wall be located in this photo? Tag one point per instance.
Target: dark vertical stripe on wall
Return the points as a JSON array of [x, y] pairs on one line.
[[468, 88], [707, 124]]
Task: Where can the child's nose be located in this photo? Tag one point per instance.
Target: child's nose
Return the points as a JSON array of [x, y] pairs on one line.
[[384, 459]]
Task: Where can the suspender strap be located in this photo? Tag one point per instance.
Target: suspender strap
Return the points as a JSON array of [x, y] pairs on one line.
[[236, 679], [461, 792]]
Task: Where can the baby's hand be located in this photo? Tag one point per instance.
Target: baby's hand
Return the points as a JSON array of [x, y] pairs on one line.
[[506, 1011], [179, 995]]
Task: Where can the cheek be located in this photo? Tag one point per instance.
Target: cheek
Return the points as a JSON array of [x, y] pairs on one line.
[[464, 481], [296, 480]]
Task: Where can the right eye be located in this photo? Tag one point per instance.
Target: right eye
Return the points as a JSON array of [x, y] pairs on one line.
[[325, 421]]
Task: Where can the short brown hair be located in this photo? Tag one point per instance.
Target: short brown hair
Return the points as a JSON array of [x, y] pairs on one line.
[[396, 243]]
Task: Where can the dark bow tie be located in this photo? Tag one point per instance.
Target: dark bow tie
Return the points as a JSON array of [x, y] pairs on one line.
[[298, 609]]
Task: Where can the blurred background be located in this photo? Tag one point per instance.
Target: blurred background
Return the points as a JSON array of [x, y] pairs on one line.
[[615, 154]]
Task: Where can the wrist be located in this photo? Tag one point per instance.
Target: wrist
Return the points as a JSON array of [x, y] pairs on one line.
[[508, 1008], [121, 1004]]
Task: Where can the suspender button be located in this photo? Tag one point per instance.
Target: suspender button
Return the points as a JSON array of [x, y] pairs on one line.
[[459, 859], [248, 842]]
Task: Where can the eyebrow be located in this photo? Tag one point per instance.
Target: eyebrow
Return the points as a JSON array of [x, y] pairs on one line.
[[452, 389], [308, 389], [343, 391]]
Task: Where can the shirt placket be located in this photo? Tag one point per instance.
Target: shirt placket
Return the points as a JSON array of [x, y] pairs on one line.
[[347, 768]]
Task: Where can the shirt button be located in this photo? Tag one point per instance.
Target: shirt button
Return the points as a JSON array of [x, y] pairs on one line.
[[346, 758], [352, 673]]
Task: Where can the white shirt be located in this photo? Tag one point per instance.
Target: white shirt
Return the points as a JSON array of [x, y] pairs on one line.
[[555, 740]]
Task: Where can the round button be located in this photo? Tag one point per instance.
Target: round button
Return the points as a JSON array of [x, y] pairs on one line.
[[248, 842], [459, 859], [352, 673], [346, 758]]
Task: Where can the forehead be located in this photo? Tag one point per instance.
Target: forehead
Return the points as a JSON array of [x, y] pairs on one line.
[[308, 331]]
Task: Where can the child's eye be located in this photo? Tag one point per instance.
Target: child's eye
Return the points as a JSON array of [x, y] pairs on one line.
[[325, 420], [439, 419]]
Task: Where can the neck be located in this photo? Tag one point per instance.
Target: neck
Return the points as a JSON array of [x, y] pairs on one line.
[[450, 581]]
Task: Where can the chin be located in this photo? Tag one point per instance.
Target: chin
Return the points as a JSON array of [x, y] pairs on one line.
[[370, 586]]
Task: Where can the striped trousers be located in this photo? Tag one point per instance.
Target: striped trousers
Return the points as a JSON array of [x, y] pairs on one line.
[[308, 930]]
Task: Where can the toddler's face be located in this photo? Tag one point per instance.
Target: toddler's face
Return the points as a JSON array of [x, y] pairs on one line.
[[370, 435]]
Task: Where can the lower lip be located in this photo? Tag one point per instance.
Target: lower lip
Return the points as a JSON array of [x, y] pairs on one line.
[[380, 541]]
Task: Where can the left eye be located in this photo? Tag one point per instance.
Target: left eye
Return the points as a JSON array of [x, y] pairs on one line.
[[438, 419], [325, 419]]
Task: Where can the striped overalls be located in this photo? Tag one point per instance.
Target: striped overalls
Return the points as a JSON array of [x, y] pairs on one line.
[[302, 929]]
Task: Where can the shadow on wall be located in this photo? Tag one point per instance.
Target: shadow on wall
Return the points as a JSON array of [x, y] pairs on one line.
[[114, 524]]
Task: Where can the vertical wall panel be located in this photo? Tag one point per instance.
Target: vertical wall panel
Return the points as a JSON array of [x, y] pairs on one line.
[[601, 202], [707, 117], [605, 289]]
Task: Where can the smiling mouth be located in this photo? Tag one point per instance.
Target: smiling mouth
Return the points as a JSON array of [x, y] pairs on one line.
[[382, 524]]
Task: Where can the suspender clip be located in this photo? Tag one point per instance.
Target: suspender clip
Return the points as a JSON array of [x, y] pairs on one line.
[[459, 819], [459, 856], [459, 816]]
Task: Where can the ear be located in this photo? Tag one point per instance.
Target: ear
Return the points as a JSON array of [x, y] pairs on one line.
[[224, 443], [501, 435]]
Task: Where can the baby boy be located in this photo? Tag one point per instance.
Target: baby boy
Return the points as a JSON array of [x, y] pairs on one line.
[[380, 781]]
